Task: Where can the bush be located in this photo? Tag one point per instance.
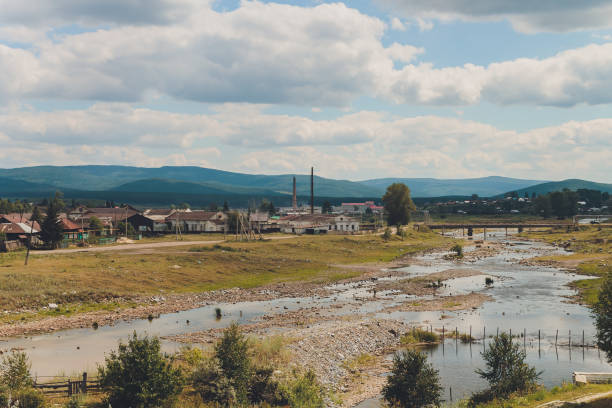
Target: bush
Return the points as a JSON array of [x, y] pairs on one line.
[[603, 317], [506, 371], [387, 234], [419, 336], [232, 351], [212, 385], [263, 388], [488, 281], [458, 250], [29, 398], [413, 382], [74, 402], [15, 371], [138, 375], [305, 391]]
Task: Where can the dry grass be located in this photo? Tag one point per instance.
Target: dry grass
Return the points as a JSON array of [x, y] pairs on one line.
[[85, 281]]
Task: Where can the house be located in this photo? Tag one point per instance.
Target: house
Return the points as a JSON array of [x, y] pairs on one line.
[[358, 208], [73, 231], [197, 221], [14, 235], [110, 217], [318, 224], [152, 220]]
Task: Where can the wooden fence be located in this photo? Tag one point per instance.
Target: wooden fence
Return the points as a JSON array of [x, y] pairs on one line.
[[69, 387]]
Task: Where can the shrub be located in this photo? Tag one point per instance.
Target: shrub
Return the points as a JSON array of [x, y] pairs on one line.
[[304, 391], [419, 336], [29, 398], [506, 370], [265, 389], [603, 317], [73, 402], [212, 385], [458, 250], [488, 281], [15, 371], [387, 234], [232, 351], [138, 375], [413, 382]]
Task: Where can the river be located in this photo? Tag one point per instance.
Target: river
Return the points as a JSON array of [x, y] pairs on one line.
[[526, 297]]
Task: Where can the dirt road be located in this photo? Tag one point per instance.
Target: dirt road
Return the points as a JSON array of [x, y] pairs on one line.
[[130, 247]]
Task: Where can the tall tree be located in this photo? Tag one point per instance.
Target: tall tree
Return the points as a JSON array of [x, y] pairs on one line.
[[326, 208], [603, 317], [52, 232], [398, 204], [225, 207]]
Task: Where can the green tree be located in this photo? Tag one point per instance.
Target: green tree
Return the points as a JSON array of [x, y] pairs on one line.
[[15, 371], [95, 224], [326, 208], [305, 391], [52, 232], [138, 375], [542, 206], [413, 382], [225, 207], [232, 353], [603, 317], [506, 370], [267, 206], [398, 204], [130, 228], [36, 215]]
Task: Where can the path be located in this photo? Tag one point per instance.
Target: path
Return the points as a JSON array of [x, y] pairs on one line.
[[126, 247]]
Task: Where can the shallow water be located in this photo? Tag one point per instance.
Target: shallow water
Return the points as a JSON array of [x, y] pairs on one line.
[[525, 297]]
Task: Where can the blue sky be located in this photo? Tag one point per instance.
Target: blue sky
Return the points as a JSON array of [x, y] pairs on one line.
[[360, 89]]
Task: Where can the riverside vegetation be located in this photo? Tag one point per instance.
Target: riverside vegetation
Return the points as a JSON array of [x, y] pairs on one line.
[[88, 281]]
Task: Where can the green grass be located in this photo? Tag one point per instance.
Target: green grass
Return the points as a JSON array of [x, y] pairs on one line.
[[96, 280], [419, 335], [565, 392]]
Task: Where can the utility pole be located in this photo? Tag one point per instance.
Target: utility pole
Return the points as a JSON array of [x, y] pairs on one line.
[[29, 242]]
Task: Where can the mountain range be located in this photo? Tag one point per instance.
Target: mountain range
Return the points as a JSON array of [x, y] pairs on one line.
[[169, 184]]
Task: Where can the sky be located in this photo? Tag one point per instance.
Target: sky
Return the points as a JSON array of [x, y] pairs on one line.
[[358, 89]]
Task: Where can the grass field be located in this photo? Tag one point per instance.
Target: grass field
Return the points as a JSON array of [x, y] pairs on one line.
[[494, 218], [89, 281], [565, 392], [592, 255]]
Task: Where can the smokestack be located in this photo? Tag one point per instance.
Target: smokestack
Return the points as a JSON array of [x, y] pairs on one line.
[[294, 195], [312, 190]]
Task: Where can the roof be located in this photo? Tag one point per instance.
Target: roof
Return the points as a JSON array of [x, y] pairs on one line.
[[17, 228], [69, 225], [115, 213], [17, 219], [197, 215], [259, 217], [159, 211]]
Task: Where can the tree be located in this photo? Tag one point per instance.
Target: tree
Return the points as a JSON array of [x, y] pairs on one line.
[[232, 353], [542, 206], [413, 382], [130, 228], [15, 371], [326, 208], [603, 317], [398, 204], [52, 232], [225, 207], [267, 206], [213, 207], [506, 370], [36, 215], [96, 224], [138, 375]]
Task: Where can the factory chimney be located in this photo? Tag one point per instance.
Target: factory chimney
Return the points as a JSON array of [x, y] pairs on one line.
[[294, 195], [312, 190]]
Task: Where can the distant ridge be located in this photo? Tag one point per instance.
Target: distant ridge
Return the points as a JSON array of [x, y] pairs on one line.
[[431, 187], [571, 184]]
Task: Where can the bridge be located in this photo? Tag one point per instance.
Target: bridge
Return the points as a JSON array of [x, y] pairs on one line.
[[470, 227], [520, 226]]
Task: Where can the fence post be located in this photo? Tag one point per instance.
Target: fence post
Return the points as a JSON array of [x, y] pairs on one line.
[[556, 337], [69, 388], [84, 389]]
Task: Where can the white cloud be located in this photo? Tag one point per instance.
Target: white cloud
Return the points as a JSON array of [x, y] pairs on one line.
[[327, 55], [396, 24], [525, 15], [359, 145]]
